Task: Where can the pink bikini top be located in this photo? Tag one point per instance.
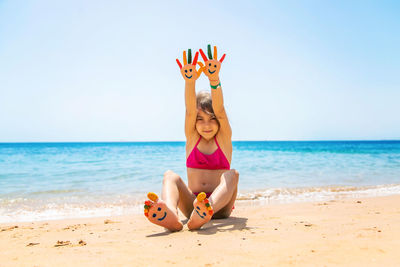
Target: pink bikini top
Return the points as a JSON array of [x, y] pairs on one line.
[[215, 161]]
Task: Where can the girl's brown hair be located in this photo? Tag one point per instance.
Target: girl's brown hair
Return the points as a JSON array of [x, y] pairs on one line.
[[204, 102]]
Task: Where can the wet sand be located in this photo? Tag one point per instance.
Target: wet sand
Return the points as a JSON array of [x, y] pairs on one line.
[[348, 232]]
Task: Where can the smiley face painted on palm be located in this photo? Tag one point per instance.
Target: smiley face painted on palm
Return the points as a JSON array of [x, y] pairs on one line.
[[159, 214], [188, 69], [201, 213], [212, 68], [189, 72], [212, 64]]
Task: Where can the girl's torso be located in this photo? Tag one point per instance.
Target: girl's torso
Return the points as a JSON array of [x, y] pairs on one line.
[[206, 180]]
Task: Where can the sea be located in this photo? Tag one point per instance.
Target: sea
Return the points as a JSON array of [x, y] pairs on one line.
[[46, 181]]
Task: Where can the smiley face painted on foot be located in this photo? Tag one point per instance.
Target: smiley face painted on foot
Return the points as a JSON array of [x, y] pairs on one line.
[[162, 217], [198, 211], [157, 212]]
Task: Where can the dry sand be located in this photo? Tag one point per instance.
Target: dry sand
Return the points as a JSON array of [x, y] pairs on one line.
[[349, 232]]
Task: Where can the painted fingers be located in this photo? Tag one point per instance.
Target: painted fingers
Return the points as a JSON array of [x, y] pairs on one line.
[[210, 54], [187, 58], [188, 69], [202, 68], [212, 64], [211, 68]]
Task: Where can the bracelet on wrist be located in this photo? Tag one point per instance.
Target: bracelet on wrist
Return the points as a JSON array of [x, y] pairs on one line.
[[215, 86]]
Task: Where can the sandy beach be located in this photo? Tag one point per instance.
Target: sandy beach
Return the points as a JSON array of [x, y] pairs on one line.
[[348, 232]]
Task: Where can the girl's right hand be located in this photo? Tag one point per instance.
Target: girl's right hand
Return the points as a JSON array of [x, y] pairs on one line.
[[188, 71], [213, 65]]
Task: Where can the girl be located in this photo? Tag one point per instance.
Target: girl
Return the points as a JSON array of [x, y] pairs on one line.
[[212, 185]]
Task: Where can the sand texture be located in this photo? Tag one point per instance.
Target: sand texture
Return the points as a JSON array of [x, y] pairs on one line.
[[349, 232]]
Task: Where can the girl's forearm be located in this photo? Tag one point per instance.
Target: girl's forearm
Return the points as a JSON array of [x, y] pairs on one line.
[[217, 96], [190, 97]]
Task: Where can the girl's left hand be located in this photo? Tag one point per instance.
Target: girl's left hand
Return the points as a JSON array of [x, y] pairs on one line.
[[212, 64], [188, 70]]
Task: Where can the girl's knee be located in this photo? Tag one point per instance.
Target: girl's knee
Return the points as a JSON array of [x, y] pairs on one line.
[[171, 177], [234, 174], [168, 172]]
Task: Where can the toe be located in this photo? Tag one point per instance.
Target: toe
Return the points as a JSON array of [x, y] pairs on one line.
[[203, 201]]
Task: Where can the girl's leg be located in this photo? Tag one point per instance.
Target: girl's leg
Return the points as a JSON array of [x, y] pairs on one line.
[[175, 193], [221, 200], [223, 197]]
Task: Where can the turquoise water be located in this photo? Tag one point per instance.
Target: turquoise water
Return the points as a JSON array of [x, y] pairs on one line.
[[62, 180]]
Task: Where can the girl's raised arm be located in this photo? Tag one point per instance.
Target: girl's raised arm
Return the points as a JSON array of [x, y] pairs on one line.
[[190, 74], [212, 68]]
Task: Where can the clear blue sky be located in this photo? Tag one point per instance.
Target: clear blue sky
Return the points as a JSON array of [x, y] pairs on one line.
[[106, 71]]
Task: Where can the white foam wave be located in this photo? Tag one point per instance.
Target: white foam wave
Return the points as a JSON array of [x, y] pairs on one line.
[[66, 211], [287, 195], [22, 210]]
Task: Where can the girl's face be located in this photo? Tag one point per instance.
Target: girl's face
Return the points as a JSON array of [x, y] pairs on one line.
[[206, 125]]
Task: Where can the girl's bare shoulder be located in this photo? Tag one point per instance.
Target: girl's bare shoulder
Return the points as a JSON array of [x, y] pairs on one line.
[[225, 142], [191, 142]]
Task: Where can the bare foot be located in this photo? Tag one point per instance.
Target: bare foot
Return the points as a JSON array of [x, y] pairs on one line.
[[202, 212], [158, 213]]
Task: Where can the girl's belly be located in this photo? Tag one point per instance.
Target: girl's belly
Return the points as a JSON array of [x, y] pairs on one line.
[[203, 180]]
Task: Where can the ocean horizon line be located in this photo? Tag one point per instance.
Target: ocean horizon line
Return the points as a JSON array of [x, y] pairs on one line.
[[182, 141]]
